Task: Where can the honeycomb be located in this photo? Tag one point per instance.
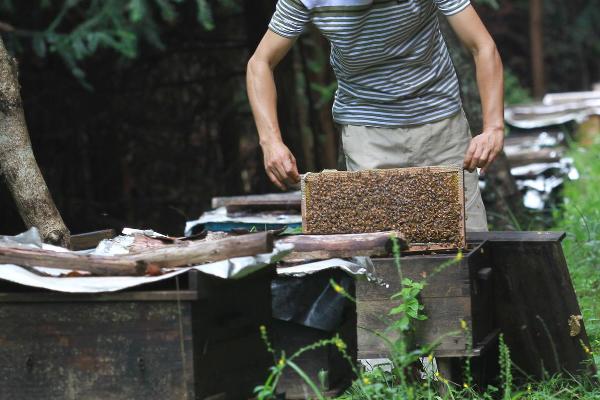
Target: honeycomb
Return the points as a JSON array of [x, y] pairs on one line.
[[426, 204]]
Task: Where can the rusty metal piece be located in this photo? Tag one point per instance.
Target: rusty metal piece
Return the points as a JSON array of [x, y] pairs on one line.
[[426, 204]]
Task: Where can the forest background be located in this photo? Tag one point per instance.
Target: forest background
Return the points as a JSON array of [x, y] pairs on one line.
[[137, 109]]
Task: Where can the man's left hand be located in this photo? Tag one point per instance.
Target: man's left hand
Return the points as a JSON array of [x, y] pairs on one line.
[[484, 149]]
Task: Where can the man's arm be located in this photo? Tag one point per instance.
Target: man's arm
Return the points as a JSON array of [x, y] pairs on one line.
[[484, 148], [280, 163]]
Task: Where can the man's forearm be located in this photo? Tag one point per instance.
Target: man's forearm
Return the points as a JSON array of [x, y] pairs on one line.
[[490, 82], [484, 147], [263, 100], [280, 164]]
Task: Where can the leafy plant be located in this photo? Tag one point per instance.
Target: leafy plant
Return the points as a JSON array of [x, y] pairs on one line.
[[77, 29], [514, 92]]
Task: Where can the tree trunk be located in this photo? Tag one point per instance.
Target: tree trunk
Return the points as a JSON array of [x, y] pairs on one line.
[[17, 162], [536, 37]]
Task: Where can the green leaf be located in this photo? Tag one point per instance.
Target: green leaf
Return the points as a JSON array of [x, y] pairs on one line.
[[167, 10], [79, 48], [205, 16], [39, 45], [397, 310], [137, 10]]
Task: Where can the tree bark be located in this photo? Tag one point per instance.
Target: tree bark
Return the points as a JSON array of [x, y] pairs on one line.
[[17, 162], [206, 251], [314, 247], [536, 37], [97, 265]]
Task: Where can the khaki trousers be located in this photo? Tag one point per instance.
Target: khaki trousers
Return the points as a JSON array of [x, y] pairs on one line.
[[439, 143]]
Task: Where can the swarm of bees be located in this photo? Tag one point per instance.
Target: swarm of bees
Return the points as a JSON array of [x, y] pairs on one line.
[[426, 204]]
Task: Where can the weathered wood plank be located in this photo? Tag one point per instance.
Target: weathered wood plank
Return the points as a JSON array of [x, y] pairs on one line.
[[113, 351], [206, 251], [451, 281], [311, 247], [89, 240], [44, 297], [443, 317], [516, 236], [288, 199]]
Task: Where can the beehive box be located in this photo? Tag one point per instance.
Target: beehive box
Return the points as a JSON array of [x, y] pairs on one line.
[[426, 204], [460, 291], [196, 340]]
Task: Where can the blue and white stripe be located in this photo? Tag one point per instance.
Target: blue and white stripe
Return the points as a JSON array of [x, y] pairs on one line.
[[390, 59]]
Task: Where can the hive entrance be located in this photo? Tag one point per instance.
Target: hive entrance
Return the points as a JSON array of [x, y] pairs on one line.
[[426, 204]]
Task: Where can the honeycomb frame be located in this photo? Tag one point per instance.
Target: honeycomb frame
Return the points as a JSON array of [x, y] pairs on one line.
[[450, 235]]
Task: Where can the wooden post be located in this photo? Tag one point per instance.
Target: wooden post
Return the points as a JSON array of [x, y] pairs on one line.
[[536, 37]]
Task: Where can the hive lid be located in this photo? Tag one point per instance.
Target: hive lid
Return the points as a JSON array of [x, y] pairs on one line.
[[424, 203]]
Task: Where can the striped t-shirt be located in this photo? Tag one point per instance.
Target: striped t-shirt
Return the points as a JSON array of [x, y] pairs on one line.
[[389, 57]]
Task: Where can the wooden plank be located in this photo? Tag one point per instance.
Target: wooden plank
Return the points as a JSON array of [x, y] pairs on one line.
[[527, 156], [90, 240], [444, 316], [290, 206], [96, 351], [311, 247], [450, 282], [285, 199], [534, 302], [516, 236], [53, 297]]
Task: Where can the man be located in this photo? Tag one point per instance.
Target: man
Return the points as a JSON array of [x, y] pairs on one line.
[[398, 99]]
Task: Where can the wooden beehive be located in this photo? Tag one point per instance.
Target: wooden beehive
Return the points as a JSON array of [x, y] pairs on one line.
[[461, 291], [426, 204], [196, 340]]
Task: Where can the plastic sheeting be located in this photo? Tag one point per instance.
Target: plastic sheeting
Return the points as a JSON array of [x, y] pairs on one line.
[[310, 300], [219, 217]]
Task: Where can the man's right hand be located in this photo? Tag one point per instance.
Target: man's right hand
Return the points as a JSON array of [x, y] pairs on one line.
[[280, 165]]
